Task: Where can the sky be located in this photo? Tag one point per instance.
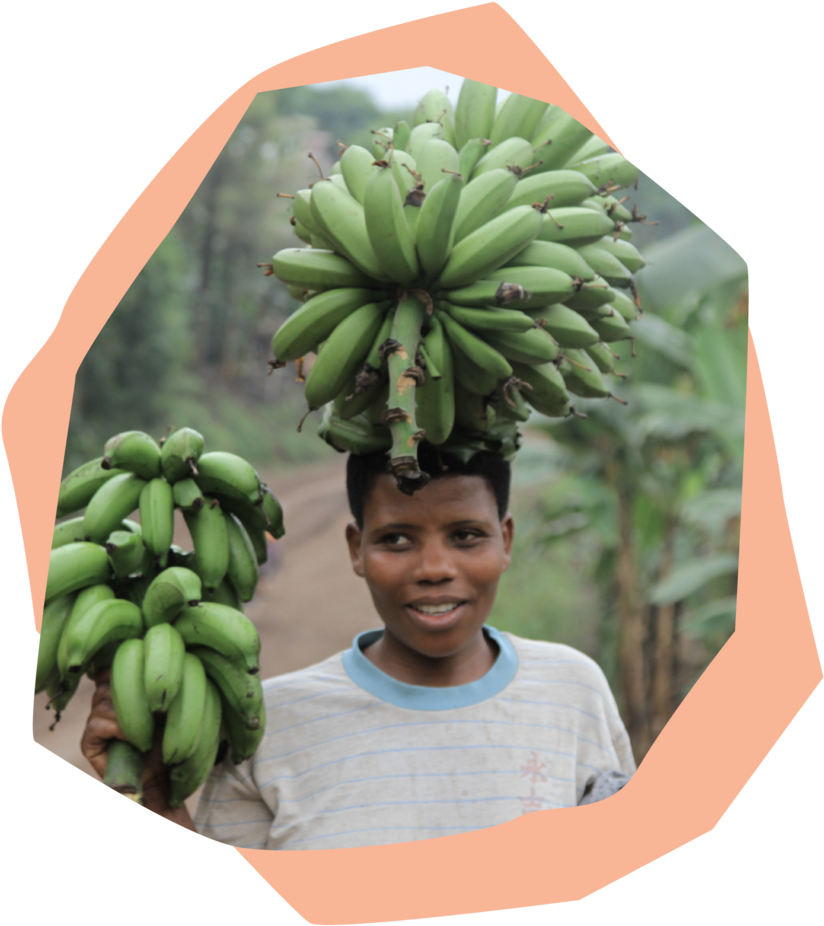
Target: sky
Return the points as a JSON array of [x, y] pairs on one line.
[[398, 89]]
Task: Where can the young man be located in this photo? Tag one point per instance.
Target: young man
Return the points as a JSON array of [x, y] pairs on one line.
[[437, 724]]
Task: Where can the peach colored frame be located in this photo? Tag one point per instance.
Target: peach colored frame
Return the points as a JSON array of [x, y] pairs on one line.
[[716, 739]]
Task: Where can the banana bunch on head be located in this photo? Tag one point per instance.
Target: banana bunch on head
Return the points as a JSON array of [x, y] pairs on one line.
[[460, 274], [168, 622]]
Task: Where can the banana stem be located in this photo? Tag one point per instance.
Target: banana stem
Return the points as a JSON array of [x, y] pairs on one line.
[[124, 770], [404, 376]]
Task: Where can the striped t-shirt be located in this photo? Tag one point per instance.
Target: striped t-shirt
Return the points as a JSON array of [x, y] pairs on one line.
[[353, 757]]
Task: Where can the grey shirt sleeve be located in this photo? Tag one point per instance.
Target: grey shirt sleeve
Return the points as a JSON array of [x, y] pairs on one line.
[[603, 785]]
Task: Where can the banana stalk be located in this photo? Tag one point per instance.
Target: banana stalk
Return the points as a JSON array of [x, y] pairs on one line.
[[404, 376]]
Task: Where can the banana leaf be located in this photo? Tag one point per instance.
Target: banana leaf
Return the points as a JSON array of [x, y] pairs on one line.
[[690, 576], [713, 617]]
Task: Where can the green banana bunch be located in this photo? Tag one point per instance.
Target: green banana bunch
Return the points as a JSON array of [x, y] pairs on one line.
[[131, 600], [447, 246]]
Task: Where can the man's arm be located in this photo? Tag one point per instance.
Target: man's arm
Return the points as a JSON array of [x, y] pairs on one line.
[[101, 727]]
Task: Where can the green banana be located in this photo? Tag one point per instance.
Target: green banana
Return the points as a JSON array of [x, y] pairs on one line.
[[92, 595], [524, 287], [223, 629], [157, 516], [131, 526], [580, 377], [226, 594], [357, 166], [256, 522], [60, 692], [301, 231], [469, 155], [554, 255], [124, 770], [222, 473], [623, 304], [104, 622], [75, 566], [591, 295], [315, 321], [435, 231], [361, 389], [382, 142], [613, 168], [475, 348], [243, 566], [403, 170], [131, 706], [211, 543], [189, 775], [472, 412], [435, 412], [183, 720], [273, 513], [483, 199], [241, 692], [242, 741], [471, 377], [343, 354], [565, 187], [163, 655], [551, 114], [168, 593], [180, 452], [126, 551], [519, 117], [575, 226], [544, 383], [559, 142], [133, 451], [356, 435], [628, 254], [612, 328], [434, 105], [474, 111], [602, 357], [187, 495], [510, 404], [421, 134], [387, 228], [342, 219], [436, 157], [70, 531], [318, 269], [556, 408], [610, 206], [514, 153], [592, 149], [491, 246], [55, 615], [488, 318], [400, 135], [565, 325], [303, 211], [607, 265], [80, 486], [113, 501], [533, 346]]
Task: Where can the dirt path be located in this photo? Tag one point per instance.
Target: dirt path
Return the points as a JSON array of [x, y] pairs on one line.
[[308, 603]]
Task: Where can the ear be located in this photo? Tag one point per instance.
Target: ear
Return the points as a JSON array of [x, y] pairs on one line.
[[353, 540], [508, 531]]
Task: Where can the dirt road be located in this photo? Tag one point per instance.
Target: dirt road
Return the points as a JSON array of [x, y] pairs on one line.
[[308, 603]]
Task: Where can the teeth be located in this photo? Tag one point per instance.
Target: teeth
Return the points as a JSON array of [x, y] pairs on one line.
[[436, 608]]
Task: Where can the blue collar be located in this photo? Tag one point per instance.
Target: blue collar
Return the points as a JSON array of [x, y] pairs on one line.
[[424, 697]]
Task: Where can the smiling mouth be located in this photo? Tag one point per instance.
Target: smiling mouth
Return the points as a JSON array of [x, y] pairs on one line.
[[436, 610]]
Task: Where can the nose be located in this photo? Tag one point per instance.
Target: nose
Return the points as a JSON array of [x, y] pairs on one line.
[[435, 565]]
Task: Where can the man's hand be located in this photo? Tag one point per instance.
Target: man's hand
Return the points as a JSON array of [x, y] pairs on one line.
[[102, 726]]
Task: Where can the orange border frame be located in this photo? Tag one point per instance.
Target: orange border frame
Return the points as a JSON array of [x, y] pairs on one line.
[[716, 739]]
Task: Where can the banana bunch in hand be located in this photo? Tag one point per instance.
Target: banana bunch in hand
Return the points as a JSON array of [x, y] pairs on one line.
[[169, 623], [467, 269]]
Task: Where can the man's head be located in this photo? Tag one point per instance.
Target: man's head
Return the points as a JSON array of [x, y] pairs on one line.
[[432, 560], [363, 471]]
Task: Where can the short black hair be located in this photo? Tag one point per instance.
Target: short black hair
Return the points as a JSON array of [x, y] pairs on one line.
[[363, 470]]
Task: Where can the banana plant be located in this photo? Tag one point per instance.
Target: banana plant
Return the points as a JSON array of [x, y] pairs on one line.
[[656, 485]]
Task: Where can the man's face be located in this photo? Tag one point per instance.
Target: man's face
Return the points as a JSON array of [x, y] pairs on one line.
[[432, 561]]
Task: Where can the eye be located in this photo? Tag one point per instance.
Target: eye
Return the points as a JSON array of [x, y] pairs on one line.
[[394, 540], [468, 535]]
